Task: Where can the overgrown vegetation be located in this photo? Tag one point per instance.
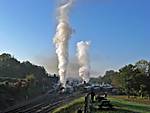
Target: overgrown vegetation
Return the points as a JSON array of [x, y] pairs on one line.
[[21, 81]]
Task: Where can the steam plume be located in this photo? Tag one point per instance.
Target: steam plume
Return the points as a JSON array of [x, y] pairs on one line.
[[61, 38], [84, 62]]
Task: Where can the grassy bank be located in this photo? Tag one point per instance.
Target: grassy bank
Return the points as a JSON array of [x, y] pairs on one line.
[[71, 107]]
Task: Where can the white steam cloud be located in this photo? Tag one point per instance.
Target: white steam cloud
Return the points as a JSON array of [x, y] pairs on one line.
[[61, 38], [84, 61]]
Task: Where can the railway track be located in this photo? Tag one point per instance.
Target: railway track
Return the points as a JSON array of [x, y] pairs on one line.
[[47, 104]]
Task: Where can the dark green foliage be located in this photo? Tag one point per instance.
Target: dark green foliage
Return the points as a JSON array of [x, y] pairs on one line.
[[107, 78], [134, 79]]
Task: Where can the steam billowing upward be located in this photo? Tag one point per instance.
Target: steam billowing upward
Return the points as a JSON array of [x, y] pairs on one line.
[[84, 62], [61, 38]]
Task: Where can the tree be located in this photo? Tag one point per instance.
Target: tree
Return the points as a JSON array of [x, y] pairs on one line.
[[125, 79], [143, 66], [107, 78]]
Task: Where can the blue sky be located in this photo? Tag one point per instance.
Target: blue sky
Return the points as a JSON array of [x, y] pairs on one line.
[[119, 30]]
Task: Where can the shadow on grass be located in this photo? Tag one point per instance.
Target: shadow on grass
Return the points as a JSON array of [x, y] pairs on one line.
[[113, 110], [135, 107]]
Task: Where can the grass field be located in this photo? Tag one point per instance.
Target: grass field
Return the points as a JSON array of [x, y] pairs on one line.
[[121, 105], [130, 106]]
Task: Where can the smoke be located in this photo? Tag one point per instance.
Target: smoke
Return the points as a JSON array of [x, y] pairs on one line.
[[73, 67], [61, 38], [83, 59]]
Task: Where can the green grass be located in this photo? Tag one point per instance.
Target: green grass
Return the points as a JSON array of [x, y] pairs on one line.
[[115, 111], [134, 99], [130, 106], [121, 105]]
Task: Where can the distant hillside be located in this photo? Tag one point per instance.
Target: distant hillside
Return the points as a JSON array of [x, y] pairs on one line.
[[21, 81], [11, 67]]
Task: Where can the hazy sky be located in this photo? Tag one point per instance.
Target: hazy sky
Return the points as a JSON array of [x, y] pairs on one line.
[[119, 30]]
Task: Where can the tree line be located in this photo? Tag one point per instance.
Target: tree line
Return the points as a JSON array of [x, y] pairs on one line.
[[132, 79]]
